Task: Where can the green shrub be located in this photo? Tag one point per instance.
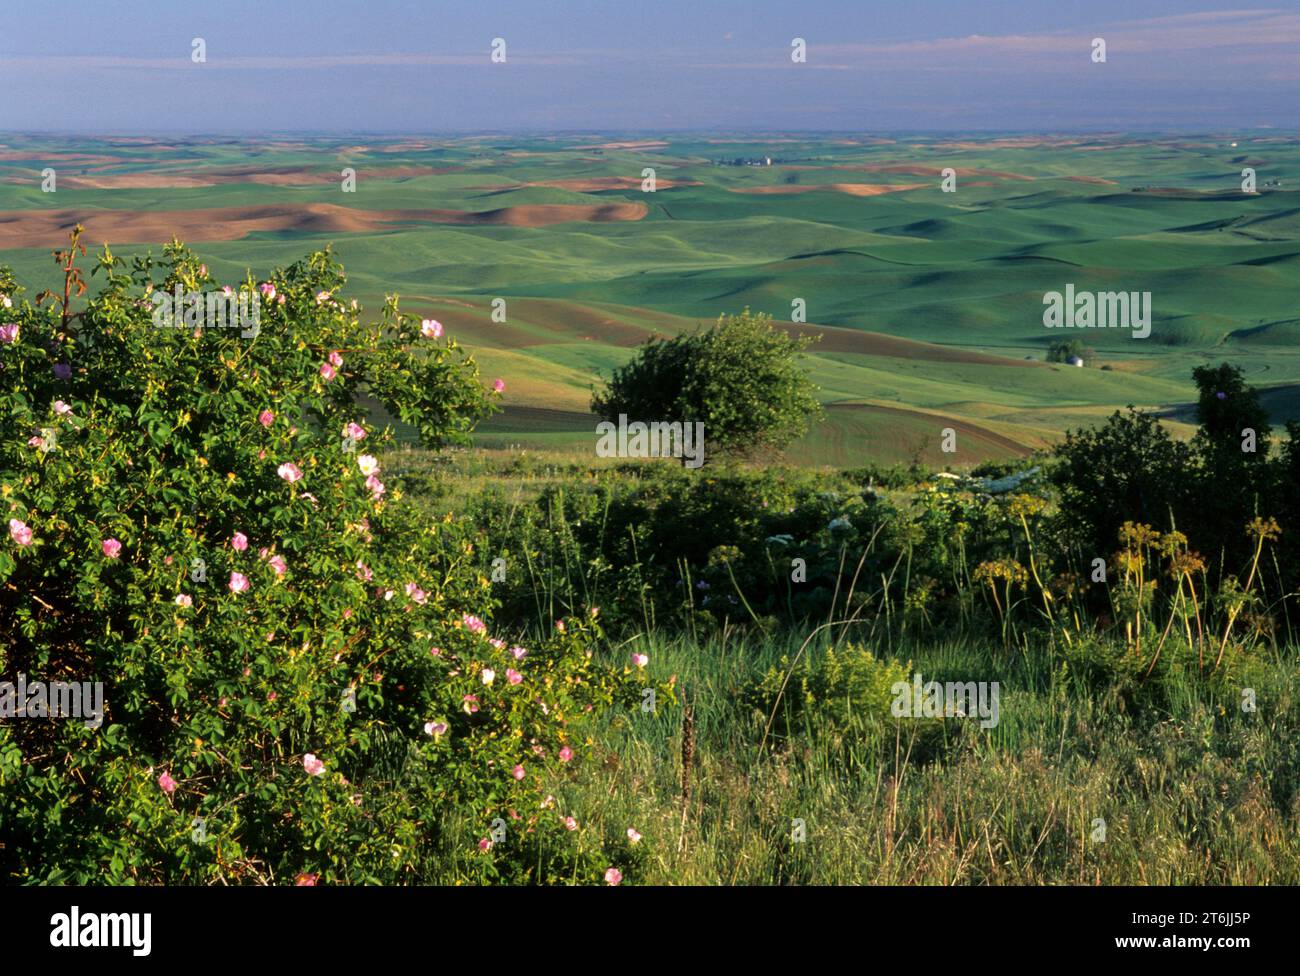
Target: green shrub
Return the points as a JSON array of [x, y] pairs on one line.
[[299, 678], [840, 690], [1232, 484], [741, 379], [1128, 470], [664, 546]]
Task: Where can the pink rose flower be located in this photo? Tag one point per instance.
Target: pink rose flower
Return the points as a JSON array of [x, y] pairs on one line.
[[499, 385], [266, 418], [166, 783], [363, 572], [431, 329], [322, 297], [435, 729], [184, 600], [327, 371], [570, 823], [376, 487], [513, 676], [278, 564], [239, 542], [62, 409], [112, 548], [487, 675], [35, 442], [306, 880], [355, 431], [518, 772], [485, 844], [632, 836], [368, 464], [565, 754], [518, 653], [640, 660], [9, 333], [238, 583], [313, 765], [613, 876], [267, 289], [336, 358], [20, 533], [289, 472], [473, 624]]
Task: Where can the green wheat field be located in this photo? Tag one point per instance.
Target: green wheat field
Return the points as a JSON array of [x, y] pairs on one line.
[[929, 304]]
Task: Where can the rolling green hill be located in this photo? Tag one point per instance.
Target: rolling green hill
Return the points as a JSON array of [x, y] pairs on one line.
[[929, 303]]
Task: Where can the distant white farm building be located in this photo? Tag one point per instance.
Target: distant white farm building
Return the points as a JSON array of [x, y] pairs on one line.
[[1075, 361]]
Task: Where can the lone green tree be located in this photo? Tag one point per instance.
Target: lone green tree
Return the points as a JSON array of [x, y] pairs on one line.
[[742, 378], [1064, 350]]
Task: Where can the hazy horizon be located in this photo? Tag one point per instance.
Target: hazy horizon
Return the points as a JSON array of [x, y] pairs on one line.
[[246, 134]]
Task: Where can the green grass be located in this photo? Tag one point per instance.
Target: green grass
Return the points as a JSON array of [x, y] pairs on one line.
[[1190, 792]]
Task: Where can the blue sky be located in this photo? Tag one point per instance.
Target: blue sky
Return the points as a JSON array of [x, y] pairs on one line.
[[626, 65]]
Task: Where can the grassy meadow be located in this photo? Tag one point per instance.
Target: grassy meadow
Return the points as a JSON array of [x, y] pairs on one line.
[[1190, 794], [779, 763]]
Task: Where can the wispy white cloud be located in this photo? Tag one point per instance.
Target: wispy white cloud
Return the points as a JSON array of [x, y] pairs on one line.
[[1270, 35]]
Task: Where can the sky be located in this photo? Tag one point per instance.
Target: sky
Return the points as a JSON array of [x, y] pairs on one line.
[[424, 66]]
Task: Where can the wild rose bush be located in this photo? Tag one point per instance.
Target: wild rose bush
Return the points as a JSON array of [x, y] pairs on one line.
[[299, 681]]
